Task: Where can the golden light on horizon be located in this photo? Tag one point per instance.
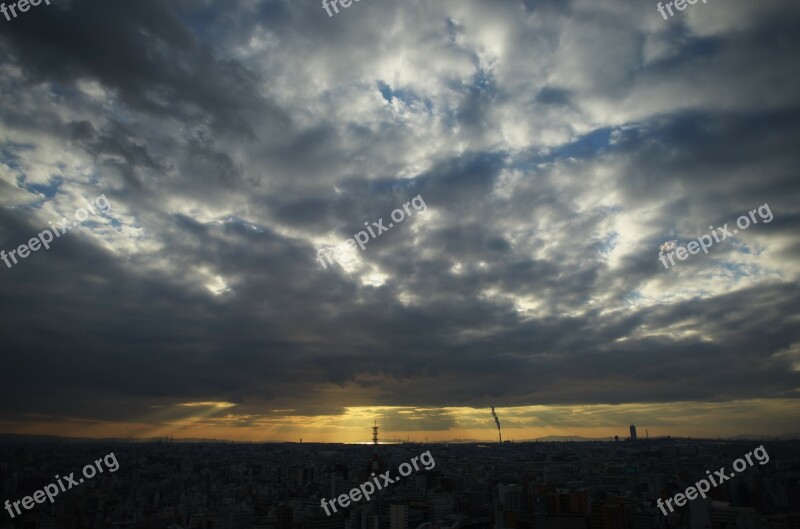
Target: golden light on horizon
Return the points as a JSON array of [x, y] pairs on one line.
[[224, 421]]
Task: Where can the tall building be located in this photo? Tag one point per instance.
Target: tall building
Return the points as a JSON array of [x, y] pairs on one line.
[[398, 517], [509, 497], [610, 513], [376, 470], [341, 486], [633, 432]]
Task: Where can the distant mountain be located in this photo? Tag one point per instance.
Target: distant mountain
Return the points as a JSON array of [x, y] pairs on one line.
[[764, 437], [12, 438], [573, 438]]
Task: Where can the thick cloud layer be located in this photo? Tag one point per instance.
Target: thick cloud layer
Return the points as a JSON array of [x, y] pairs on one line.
[[556, 146]]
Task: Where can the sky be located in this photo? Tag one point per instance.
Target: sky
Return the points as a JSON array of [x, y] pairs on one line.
[[544, 152]]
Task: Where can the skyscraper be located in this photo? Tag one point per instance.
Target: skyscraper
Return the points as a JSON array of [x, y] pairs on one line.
[[633, 432], [398, 517]]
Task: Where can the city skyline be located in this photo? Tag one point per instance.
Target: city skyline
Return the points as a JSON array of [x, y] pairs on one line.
[[462, 424]]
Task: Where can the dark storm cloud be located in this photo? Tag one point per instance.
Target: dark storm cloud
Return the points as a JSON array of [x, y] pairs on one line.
[[531, 278], [141, 50], [116, 148]]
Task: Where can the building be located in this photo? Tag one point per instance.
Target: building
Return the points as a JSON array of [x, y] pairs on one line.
[[398, 516], [723, 515], [633, 432], [509, 497]]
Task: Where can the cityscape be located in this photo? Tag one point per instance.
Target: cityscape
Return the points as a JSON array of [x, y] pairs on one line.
[[166, 483], [399, 264]]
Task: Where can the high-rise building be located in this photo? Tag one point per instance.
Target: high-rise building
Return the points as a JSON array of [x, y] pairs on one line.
[[398, 517], [509, 497], [633, 432], [376, 470], [341, 486]]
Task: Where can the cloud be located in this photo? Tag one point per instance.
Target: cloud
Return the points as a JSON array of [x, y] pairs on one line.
[[556, 145]]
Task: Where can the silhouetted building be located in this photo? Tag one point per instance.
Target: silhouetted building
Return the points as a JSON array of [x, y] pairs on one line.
[[398, 516]]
